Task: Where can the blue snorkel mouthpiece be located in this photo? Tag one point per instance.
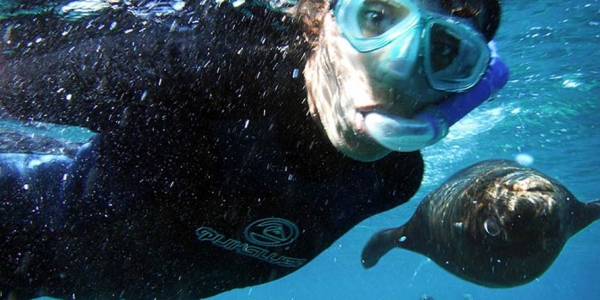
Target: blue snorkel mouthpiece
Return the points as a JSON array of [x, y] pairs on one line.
[[431, 125]]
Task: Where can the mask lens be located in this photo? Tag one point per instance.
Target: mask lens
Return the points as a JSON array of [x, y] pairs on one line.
[[446, 47], [373, 24], [456, 56], [376, 18]]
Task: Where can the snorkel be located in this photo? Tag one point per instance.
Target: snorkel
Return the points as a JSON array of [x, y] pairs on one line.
[[432, 124]]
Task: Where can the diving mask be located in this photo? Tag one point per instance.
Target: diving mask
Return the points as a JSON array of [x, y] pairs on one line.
[[454, 55]]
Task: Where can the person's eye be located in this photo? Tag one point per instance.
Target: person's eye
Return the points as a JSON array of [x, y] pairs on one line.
[[373, 23], [377, 18]]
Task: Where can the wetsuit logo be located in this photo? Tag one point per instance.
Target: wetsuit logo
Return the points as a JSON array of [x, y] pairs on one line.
[[271, 232]]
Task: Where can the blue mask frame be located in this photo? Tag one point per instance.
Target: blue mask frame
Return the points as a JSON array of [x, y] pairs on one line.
[[455, 55]]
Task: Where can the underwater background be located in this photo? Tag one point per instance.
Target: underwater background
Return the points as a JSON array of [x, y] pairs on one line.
[[547, 116], [548, 112]]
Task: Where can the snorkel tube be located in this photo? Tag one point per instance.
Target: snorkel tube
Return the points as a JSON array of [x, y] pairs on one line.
[[431, 125]]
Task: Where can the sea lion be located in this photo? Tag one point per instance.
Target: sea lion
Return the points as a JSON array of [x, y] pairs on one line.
[[495, 223]]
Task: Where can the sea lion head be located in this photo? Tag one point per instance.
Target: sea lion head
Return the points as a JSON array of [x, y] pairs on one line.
[[345, 83], [521, 212]]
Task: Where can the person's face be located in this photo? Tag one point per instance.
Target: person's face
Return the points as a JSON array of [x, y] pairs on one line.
[[347, 79], [399, 94]]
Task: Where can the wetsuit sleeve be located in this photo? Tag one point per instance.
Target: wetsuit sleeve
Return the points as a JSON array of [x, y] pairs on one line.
[[32, 211], [97, 71]]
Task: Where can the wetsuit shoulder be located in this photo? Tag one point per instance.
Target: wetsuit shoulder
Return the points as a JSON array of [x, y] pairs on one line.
[[94, 71]]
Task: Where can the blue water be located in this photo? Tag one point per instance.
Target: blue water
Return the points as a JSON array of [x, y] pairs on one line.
[[548, 112]]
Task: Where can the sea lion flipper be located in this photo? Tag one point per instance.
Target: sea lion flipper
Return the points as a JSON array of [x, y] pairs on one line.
[[594, 208], [379, 244], [590, 213]]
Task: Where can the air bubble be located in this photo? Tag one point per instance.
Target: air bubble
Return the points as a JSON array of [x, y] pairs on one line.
[[524, 159]]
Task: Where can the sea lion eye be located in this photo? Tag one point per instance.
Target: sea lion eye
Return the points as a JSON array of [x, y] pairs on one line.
[[375, 18], [491, 227]]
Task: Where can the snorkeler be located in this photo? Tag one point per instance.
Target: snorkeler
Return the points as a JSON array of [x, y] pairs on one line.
[[209, 171]]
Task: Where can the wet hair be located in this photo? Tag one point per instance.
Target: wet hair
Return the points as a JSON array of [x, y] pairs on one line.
[[310, 14], [485, 13]]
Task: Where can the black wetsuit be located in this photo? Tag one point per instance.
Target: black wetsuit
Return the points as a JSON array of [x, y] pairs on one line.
[[207, 173]]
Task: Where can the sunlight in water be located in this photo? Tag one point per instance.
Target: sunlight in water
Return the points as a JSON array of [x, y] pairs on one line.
[[475, 123], [461, 142]]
